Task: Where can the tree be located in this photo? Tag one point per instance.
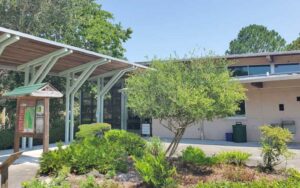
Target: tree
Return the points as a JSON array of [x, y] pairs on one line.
[[255, 39], [81, 23], [294, 45], [182, 93]]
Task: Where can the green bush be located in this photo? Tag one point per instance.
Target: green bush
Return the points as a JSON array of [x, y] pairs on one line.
[[97, 154], [196, 156], [133, 143], [92, 130], [81, 157], [6, 138], [154, 168], [232, 157], [53, 161], [274, 145], [59, 181], [289, 183]]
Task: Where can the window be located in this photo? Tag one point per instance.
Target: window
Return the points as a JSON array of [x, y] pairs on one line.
[[287, 68], [239, 70], [259, 69], [242, 109], [250, 70]]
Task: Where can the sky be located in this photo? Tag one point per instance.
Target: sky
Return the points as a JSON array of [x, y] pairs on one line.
[[166, 27]]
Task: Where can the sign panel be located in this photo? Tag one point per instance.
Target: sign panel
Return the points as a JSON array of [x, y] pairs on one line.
[[26, 116], [39, 117], [145, 129]]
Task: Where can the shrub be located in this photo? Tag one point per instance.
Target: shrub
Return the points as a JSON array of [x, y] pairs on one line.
[[6, 138], [154, 168], [233, 157], [92, 130], [53, 161], [274, 145], [81, 157], [288, 183], [98, 154], [89, 183], [196, 156], [133, 143], [59, 181]]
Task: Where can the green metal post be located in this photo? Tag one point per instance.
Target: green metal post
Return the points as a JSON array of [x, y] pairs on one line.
[[72, 117], [67, 120], [98, 100], [26, 81], [124, 113]]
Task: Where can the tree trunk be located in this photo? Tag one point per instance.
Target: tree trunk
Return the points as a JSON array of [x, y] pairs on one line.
[[175, 142], [202, 137]]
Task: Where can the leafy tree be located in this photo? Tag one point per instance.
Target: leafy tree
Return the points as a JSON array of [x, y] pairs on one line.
[[255, 39], [182, 93], [274, 145], [80, 23], [294, 45]]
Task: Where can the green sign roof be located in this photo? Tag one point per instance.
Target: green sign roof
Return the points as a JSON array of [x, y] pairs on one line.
[[36, 90]]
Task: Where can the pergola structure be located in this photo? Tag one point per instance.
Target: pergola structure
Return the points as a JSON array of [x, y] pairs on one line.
[[38, 57]]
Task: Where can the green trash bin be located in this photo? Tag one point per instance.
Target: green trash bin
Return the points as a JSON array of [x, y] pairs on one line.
[[239, 133]]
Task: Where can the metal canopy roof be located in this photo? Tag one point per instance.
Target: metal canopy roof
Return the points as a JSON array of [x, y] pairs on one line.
[[19, 48], [36, 90]]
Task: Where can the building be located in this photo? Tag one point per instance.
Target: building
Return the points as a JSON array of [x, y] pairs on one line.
[[273, 97]]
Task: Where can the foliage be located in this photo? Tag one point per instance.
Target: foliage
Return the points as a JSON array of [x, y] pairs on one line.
[[53, 161], [255, 39], [154, 146], [92, 130], [58, 181], [81, 157], [80, 23], [6, 138], [89, 183], [133, 143], [153, 166], [289, 183], [196, 156], [233, 157], [182, 93], [294, 45], [274, 145]]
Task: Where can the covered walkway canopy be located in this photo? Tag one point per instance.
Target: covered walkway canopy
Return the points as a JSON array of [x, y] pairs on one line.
[[38, 57]]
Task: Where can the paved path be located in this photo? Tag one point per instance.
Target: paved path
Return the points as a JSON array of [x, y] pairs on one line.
[[26, 166]]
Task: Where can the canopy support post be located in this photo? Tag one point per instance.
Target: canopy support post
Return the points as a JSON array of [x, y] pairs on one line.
[[72, 89], [105, 89], [124, 111], [34, 76]]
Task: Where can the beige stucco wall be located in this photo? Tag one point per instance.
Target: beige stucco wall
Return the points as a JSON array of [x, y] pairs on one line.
[[261, 108]]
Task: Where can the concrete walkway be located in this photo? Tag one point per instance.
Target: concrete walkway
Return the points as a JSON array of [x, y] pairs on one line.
[[25, 168]]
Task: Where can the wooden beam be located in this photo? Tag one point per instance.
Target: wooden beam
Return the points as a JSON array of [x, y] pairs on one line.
[[4, 168]]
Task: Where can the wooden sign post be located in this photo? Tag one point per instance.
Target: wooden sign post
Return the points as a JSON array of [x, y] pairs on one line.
[[32, 117], [32, 120]]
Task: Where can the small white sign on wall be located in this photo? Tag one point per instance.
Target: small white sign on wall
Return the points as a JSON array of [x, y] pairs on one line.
[[145, 129]]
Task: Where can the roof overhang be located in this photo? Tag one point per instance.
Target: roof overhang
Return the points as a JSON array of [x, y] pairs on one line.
[[268, 78], [19, 49]]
